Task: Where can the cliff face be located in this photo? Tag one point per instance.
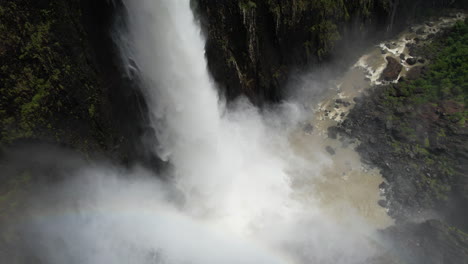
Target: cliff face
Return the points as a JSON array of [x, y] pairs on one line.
[[60, 79], [60, 63], [252, 46], [45, 74]]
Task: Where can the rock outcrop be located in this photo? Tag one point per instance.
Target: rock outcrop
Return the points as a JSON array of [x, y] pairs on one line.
[[392, 71]]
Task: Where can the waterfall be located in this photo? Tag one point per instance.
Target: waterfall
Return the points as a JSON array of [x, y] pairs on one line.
[[223, 160], [233, 167], [240, 191]]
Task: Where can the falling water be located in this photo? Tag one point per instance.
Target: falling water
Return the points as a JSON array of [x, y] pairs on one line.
[[234, 168], [241, 191]]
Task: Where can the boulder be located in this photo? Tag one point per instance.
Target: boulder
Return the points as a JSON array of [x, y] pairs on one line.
[[382, 203], [392, 71], [411, 61], [330, 150]]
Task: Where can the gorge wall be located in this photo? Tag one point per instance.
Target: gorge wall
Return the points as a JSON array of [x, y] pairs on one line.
[[61, 62], [253, 46], [62, 81]]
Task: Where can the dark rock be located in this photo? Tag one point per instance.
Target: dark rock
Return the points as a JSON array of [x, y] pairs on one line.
[[431, 242], [390, 45], [383, 186], [342, 102], [421, 31], [330, 150], [393, 69], [411, 61], [402, 56], [421, 60], [382, 203], [414, 73], [333, 132]]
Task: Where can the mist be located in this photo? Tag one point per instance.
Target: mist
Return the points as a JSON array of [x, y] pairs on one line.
[[106, 214], [239, 191]]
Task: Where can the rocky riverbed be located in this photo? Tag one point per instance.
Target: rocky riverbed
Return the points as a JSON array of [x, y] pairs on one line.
[[417, 141]]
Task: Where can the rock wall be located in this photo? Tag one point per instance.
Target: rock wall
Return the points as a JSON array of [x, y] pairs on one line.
[[253, 46], [61, 79]]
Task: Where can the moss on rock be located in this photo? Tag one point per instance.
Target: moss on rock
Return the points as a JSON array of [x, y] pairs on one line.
[[49, 89]]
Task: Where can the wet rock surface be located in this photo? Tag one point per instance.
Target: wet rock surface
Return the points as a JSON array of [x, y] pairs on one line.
[[421, 147], [393, 69], [419, 150], [431, 242], [253, 46], [411, 61]]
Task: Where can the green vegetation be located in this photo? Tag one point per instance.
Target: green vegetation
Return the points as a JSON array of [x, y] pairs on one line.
[[329, 13], [329, 36], [447, 75], [323, 19], [247, 5], [48, 87], [427, 115]]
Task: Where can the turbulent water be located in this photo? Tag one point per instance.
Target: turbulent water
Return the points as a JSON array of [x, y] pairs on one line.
[[246, 187]]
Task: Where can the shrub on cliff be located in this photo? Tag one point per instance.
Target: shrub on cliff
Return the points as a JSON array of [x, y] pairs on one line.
[[49, 89]]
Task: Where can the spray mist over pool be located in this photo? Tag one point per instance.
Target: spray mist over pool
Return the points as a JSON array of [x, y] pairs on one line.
[[231, 199]]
